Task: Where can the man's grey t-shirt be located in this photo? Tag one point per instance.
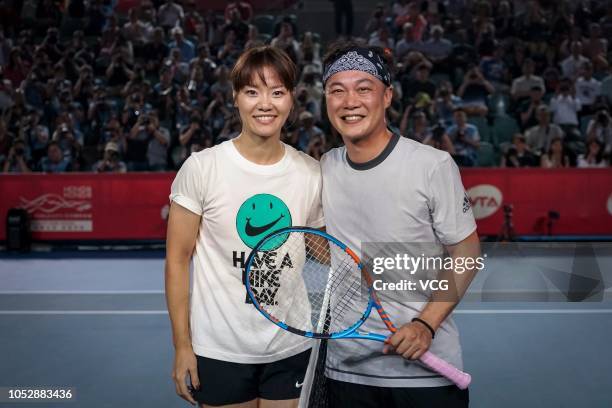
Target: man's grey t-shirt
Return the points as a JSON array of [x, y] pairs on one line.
[[410, 193]]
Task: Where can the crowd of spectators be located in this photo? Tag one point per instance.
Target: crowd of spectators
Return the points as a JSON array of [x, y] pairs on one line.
[[508, 83]]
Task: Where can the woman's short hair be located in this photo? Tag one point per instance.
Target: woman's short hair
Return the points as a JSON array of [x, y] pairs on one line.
[[253, 61]]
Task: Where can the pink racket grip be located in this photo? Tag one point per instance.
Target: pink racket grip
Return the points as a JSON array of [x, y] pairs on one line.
[[435, 363]]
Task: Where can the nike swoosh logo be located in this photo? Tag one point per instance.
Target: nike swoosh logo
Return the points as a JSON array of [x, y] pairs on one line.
[[299, 385], [252, 231]]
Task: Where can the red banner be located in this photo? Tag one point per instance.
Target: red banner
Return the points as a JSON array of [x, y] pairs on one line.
[[135, 206], [582, 198], [89, 206]]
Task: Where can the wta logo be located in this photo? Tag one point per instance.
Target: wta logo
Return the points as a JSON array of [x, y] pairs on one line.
[[485, 199]]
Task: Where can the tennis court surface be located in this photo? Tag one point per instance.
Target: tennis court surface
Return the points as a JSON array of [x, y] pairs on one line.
[[96, 322]]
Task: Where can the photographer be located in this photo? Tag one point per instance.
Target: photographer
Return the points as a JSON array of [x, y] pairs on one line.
[[306, 103], [528, 108], [147, 144], [83, 89], [71, 147], [439, 139], [217, 113], [198, 87], [465, 138], [163, 92], [474, 91], [111, 162], [565, 108], [155, 51], [98, 113], [118, 71], [446, 102], [600, 128], [193, 133], [16, 161]]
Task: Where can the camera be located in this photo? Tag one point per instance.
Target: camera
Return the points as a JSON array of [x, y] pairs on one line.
[[437, 133]]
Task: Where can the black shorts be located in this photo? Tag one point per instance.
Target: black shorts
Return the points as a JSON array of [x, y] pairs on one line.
[[223, 382], [343, 394]]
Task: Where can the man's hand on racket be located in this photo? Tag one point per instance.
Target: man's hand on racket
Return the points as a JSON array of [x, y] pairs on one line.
[[185, 369], [410, 341]]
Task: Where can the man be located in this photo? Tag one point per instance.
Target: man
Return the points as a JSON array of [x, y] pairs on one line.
[[518, 154], [565, 107], [539, 136], [570, 67], [588, 90], [185, 46], [527, 110], [111, 162], [465, 138], [381, 187], [437, 48], [421, 83], [523, 85]]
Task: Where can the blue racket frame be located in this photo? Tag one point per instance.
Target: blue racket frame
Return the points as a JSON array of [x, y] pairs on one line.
[[349, 333]]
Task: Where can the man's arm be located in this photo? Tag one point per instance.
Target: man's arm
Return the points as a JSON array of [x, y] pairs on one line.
[[414, 338], [442, 303], [183, 227]]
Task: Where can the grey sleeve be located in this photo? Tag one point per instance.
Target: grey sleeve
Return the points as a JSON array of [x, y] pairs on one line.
[[453, 220]]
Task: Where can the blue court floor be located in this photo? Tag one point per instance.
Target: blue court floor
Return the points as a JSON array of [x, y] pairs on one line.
[[98, 324]]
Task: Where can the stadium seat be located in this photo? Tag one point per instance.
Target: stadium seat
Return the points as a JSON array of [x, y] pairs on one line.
[[265, 38], [486, 155], [264, 23], [483, 128], [498, 103], [504, 128]]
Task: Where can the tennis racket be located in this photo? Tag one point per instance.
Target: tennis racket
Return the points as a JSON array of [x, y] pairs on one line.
[[309, 283]]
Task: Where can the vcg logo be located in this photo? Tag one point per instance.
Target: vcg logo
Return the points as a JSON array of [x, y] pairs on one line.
[[485, 200]]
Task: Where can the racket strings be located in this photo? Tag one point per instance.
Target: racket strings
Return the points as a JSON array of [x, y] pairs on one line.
[[305, 275]]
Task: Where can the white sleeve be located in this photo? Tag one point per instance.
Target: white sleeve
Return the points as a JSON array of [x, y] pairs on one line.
[[188, 187], [453, 220]]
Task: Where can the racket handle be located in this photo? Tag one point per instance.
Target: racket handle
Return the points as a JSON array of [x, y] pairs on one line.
[[435, 363]]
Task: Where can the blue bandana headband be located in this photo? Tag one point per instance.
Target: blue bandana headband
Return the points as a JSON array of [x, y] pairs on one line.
[[359, 59]]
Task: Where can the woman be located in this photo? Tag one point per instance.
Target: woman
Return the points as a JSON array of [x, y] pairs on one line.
[[224, 200], [555, 157], [594, 157]]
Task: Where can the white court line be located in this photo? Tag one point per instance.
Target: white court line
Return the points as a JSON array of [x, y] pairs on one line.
[[81, 292], [163, 312]]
